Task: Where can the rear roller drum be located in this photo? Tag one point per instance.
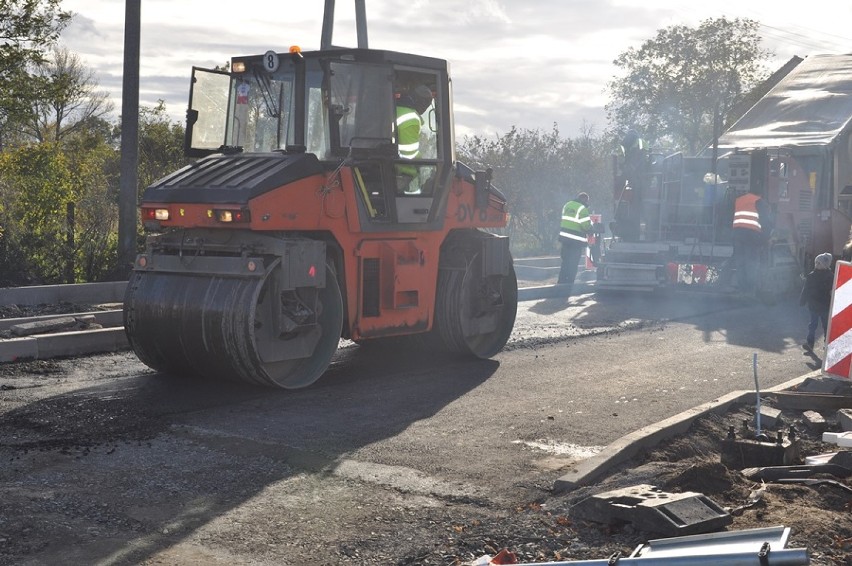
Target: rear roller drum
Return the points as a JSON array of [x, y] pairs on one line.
[[233, 328], [475, 314]]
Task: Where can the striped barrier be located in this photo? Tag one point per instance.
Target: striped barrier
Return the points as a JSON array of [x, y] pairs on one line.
[[838, 352], [592, 240]]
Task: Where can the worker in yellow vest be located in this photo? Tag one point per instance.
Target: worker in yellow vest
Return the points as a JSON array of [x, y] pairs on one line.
[[409, 109], [573, 230]]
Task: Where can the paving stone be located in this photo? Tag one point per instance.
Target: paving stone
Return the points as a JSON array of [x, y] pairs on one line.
[[814, 421], [844, 418], [770, 418], [42, 326]]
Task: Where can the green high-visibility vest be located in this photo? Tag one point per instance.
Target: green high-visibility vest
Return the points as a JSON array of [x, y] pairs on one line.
[[408, 130], [575, 221], [408, 138]]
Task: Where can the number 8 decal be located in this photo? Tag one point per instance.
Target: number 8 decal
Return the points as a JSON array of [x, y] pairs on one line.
[[270, 61]]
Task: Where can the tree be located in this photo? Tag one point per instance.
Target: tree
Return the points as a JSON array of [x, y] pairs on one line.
[[69, 98], [160, 144], [27, 29], [538, 172], [94, 161], [676, 86]]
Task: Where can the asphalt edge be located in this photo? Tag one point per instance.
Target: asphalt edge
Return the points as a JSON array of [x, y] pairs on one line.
[[588, 471]]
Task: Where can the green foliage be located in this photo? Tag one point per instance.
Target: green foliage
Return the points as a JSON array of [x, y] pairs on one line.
[[95, 162], [37, 181], [678, 84], [35, 185], [538, 172], [160, 145]]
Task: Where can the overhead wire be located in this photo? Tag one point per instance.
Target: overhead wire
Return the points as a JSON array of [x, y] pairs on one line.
[[791, 34], [801, 40]]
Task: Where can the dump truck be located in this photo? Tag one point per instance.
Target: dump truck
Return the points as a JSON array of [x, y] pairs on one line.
[[303, 221]]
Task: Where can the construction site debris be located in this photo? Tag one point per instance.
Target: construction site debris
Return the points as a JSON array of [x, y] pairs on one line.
[[654, 510], [762, 546], [843, 439]]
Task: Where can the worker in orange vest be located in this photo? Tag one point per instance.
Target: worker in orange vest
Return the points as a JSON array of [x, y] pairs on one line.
[[751, 230]]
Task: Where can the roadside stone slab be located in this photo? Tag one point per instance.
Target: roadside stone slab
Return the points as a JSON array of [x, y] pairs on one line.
[[654, 510], [43, 326], [844, 418]]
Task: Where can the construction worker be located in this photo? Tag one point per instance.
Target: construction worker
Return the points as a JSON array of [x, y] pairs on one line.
[[816, 295], [575, 225], [409, 109], [751, 229]]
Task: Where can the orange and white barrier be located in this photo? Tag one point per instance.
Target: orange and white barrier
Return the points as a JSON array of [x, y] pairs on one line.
[[592, 240], [838, 351]]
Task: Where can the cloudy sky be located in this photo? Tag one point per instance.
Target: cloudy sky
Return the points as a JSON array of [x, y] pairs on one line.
[[524, 63]]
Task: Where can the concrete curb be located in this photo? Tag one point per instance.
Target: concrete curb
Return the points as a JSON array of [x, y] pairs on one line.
[[591, 469], [63, 344], [107, 319], [98, 293]]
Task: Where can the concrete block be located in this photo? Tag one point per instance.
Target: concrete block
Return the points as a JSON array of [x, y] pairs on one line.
[[60, 344], [105, 292], [814, 421], [770, 418], [844, 418], [651, 509], [843, 439], [43, 326], [18, 349]]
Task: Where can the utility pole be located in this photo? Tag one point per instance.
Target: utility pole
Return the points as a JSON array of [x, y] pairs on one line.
[[129, 176]]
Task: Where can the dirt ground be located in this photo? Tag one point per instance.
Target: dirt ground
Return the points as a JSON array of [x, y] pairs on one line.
[[819, 515]]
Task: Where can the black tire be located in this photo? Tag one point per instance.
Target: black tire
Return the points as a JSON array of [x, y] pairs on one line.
[[475, 315]]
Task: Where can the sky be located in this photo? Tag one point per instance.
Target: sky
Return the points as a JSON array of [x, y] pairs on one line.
[[523, 63]]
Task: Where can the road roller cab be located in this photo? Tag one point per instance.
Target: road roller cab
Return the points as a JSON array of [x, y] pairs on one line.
[[312, 215]]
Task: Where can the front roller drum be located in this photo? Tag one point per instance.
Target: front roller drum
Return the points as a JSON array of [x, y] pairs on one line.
[[230, 328]]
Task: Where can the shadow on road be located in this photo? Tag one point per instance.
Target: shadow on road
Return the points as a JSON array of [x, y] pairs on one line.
[[60, 443], [718, 317]]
